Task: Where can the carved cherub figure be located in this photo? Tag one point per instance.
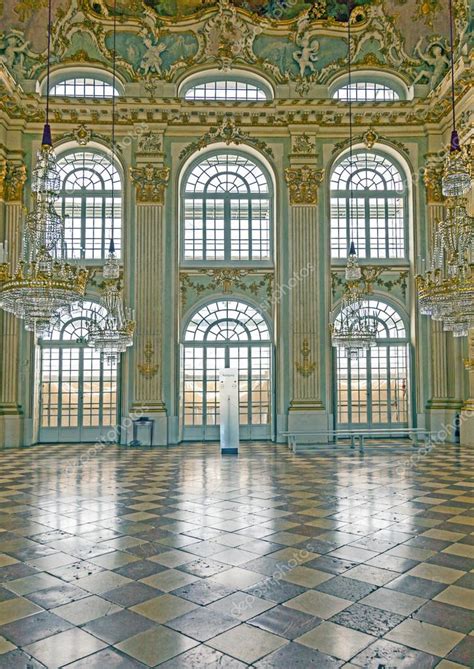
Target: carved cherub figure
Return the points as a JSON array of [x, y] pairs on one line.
[[306, 55], [14, 53], [151, 61], [436, 58]]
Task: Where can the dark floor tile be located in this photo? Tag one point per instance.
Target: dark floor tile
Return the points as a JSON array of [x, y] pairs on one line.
[[138, 570], [367, 619], [203, 592], [6, 594], [296, 656], [57, 596], [204, 567], [426, 542], [452, 561], [202, 624], [14, 571], [107, 659], [466, 581], [445, 615], [276, 591], [201, 657], [463, 652], [346, 588], [131, 594], [386, 654], [17, 659], [331, 565], [322, 547], [412, 585], [118, 626], [285, 622], [28, 630], [147, 550]]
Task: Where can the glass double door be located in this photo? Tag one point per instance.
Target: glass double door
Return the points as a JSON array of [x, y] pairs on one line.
[[78, 395], [200, 389], [372, 390]]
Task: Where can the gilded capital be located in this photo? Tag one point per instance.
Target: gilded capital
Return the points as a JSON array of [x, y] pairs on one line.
[[150, 182], [303, 183], [12, 180], [432, 175]]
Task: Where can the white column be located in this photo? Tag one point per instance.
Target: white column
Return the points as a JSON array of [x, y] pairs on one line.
[[307, 411], [11, 413]]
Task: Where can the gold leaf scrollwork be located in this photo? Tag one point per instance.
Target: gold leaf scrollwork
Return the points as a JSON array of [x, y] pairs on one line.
[[147, 369], [303, 183], [150, 182], [432, 175], [307, 366], [14, 179]]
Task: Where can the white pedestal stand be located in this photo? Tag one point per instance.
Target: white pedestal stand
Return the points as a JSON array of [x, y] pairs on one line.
[[229, 411]]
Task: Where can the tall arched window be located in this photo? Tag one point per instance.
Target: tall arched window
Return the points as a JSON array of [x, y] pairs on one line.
[[89, 184], [232, 334], [373, 390], [78, 398], [227, 210], [375, 217]]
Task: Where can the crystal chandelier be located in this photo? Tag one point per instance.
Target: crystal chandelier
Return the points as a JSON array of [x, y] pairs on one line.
[[446, 290], [43, 282], [354, 330], [113, 334]]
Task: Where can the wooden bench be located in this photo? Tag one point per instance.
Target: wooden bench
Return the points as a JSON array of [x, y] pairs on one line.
[[360, 434]]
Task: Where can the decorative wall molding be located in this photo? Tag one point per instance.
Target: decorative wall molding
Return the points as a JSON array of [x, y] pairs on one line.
[[225, 281], [147, 369], [12, 180], [150, 183], [229, 133], [372, 277], [303, 183], [307, 366], [432, 175]]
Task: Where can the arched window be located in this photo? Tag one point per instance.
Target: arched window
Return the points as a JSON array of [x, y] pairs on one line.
[[226, 334], [83, 87], [373, 390], [89, 185], [78, 398], [375, 216], [226, 88], [227, 210], [366, 91]]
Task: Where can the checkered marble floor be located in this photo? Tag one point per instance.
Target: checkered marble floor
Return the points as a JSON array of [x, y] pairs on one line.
[[125, 558]]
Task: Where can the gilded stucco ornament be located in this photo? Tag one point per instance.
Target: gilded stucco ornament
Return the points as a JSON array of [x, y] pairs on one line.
[[149, 142], [15, 54], [226, 38], [13, 182], [150, 182], [147, 368], [226, 281], [432, 175], [303, 144], [229, 133], [307, 366], [303, 183]]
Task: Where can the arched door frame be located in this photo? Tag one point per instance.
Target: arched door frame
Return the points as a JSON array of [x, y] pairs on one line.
[[381, 341], [211, 431], [79, 398]]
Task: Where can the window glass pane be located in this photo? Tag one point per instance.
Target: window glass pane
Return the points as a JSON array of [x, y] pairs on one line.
[[364, 91], [368, 207], [90, 202], [224, 90], [227, 211], [81, 87]]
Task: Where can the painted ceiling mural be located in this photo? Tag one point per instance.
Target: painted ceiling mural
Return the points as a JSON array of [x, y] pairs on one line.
[[159, 38]]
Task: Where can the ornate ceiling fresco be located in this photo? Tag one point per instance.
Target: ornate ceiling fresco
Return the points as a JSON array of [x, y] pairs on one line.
[[406, 36]]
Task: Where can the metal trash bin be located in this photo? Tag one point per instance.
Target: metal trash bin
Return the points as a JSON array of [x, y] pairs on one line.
[[143, 432]]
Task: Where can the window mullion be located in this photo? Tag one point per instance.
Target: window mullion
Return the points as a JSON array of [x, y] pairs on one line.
[[227, 228]]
